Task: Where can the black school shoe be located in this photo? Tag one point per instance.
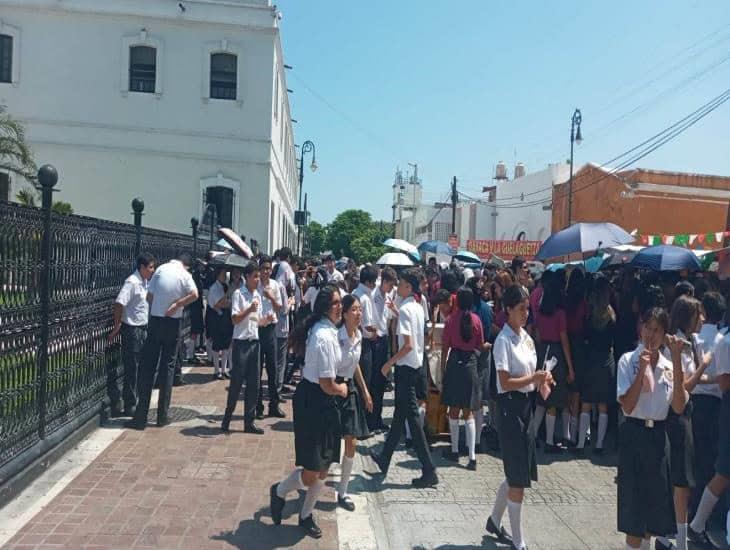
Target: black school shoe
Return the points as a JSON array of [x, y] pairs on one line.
[[659, 545], [450, 455], [346, 503], [134, 425], [502, 535], [699, 538], [311, 528], [276, 503], [252, 429], [428, 479]]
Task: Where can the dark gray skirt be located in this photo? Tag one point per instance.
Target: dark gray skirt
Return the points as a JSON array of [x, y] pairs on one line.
[[514, 416], [461, 381], [317, 429], [597, 383], [353, 419]]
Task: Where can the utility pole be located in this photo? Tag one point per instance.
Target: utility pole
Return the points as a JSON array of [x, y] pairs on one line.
[[454, 201]]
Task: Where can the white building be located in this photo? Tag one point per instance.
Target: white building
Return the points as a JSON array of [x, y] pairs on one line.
[[179, 103], [407, 195]]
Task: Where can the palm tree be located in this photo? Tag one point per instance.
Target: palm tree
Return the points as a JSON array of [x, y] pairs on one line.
[[15, 154]]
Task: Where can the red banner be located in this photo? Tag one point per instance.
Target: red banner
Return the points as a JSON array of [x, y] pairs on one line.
[[504, 249]]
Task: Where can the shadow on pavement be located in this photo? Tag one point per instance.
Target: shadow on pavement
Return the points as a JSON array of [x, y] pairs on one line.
[[487, 542], [197, 378], [252, 533]]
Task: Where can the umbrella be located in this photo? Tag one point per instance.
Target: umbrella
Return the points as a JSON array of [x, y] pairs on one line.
[[583, 237], [466, 256], [229, 260], [436, 247], [617, 259], [235, 241], [224, 244], [403, 246], [396, 259], [665, 257]]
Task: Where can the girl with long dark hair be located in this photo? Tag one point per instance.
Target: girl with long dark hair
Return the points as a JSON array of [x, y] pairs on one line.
[[576, 312], [317, 428]]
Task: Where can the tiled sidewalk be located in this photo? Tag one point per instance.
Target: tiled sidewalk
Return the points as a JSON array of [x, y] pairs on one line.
[[183, 486]]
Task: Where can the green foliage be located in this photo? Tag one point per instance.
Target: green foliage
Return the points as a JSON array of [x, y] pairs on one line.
[[16, 156], [317, 235], [64, 208], [27, 197], [353, 233], [345, 228]]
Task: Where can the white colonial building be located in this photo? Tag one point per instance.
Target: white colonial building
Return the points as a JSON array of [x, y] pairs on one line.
[[182, 103]]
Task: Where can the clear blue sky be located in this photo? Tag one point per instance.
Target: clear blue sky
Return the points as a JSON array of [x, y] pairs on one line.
[[458, 86]]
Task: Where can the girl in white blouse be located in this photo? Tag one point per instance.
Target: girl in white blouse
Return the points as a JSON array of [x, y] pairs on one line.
[[352, 408], [317, 430]]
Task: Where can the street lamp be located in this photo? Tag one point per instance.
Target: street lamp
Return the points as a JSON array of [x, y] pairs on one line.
[[575, 137], [307, 147]]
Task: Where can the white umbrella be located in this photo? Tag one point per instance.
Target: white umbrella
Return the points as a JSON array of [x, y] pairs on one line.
[[396, 259], [403, 246]]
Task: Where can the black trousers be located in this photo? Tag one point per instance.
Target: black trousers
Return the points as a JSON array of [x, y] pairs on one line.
[[706, 434], [161, 348], [267, 341], [133, 339], [376, 385], [245, 368], [406, 409]]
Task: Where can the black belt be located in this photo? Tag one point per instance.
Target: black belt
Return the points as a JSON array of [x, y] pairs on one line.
[[646, 422], [342, 380], [515, 395]]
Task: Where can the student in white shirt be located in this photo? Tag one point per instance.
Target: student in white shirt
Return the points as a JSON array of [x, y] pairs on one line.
[[353, 407], [131, 312], [408, 360], [283, 321], [515, 362], [271, 304], [647, 386], [170, 290], [219, 323], [246, 316], [382, 296], [333, 274], [368, 328], [317, 428]]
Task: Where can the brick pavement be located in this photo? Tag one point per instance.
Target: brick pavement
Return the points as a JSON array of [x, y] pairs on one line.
[[183, 486]]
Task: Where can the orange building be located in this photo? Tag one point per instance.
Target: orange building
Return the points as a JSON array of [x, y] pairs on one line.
[[652, 202]]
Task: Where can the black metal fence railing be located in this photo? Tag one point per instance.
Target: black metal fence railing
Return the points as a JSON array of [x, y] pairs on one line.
[[54, 354]]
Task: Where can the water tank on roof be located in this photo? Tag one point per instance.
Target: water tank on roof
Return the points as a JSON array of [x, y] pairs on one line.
[[500, 171], [519, 170]]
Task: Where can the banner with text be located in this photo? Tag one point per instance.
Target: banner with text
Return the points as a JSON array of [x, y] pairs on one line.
[[504, 249]]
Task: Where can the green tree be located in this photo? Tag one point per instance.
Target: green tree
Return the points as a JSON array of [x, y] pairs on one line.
[[16, 156], [317, 235], [345, 228]]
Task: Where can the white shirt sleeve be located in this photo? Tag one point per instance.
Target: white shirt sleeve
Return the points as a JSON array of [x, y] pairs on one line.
[[722, 356], [125, 294], [152, 287], [624, 375], [327, 363], [188, 283], [215, 293], [405, 323], [238, 304], [368, 319], [500, 354]]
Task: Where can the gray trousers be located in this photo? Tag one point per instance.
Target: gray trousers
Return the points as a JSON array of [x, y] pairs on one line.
[[282, 347], [246, 368]]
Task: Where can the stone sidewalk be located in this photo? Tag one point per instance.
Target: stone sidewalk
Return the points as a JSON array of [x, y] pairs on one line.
[[183, 486]]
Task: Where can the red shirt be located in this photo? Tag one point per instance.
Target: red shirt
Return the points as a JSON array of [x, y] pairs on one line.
[[535, 298], [452, 332], [576, 318], [549, 327]]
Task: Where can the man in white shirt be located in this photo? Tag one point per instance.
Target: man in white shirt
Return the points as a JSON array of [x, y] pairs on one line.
[[285, 274], [333, 275], [169, 291], [382, 295], [246, 317], [270, 306], [131, 311], [368, 327]]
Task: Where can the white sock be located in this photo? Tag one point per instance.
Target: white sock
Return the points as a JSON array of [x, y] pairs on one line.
[[585, 422], [681, 536], [704, 509], [478, 425], [454, 429], [408, 431], [514, 509], [537, 419], [573, 428], [291, 483], [646, 544], [346, 471], [422, 415], [602, 427], [224, 361], [311, 498], [565, 421], [471, 433], [549, 430], [500, 504]]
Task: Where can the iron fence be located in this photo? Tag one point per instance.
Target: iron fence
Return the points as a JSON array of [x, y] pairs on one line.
[[54, 356]]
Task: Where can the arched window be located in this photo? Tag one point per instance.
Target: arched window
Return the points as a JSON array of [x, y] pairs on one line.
[[6, 58], [223, 76], [522, 236], [142, 69]]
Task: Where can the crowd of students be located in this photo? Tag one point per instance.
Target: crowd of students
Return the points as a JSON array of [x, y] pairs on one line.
[[572, 355]]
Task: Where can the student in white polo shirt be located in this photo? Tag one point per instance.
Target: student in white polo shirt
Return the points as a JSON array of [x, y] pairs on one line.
[[169, 291], [271, 304], [382, 296], [368, 328], [131, 312], [408, 360]]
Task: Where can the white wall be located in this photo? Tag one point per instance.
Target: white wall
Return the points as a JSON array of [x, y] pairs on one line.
[[110, 145]]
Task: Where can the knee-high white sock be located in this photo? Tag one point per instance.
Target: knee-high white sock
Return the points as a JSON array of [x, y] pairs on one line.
[[500, 504], [514, 509], [681, 536], [646, 544], [471, 435], [478, 424], [537, 419], [311, 498], [209, 350], [602, 427], [549, 430], [573, 428], [345, 473], [293, 482], [422, 415], [408, 431], [704, 509], [565, 421], [225, 354], [585, 422], [454, 430]]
